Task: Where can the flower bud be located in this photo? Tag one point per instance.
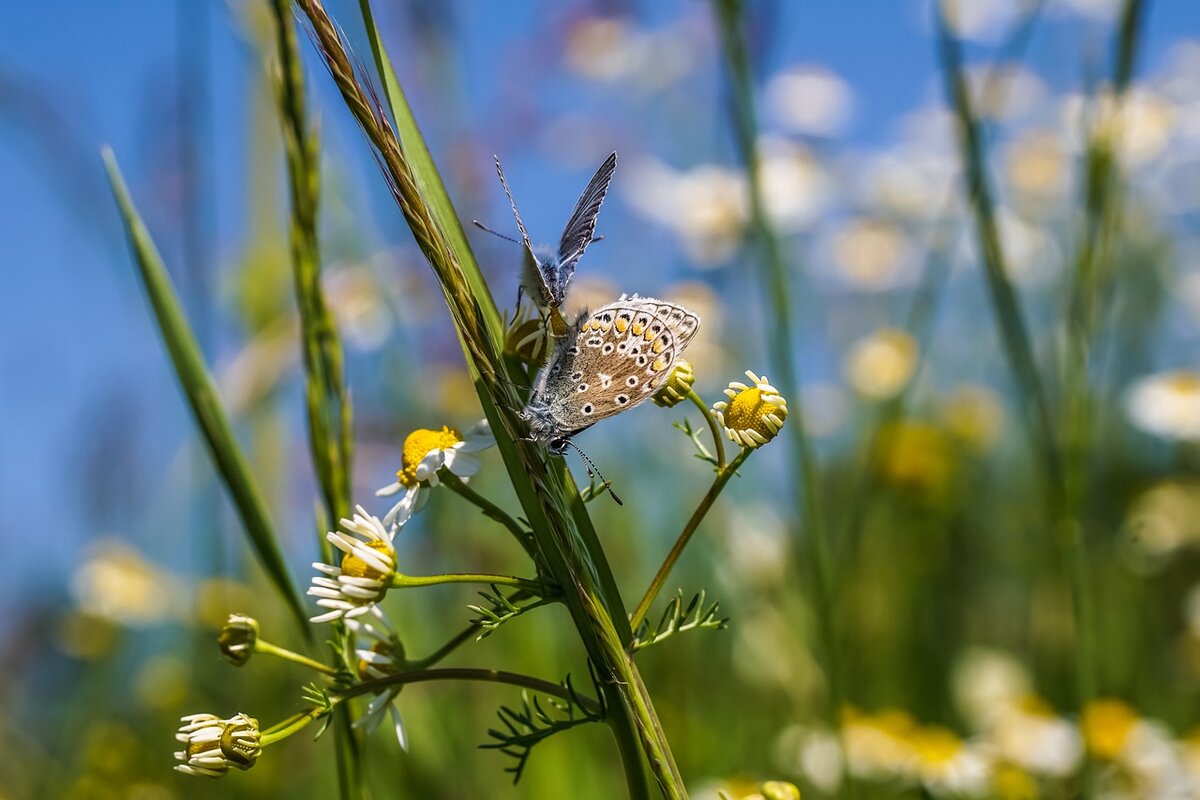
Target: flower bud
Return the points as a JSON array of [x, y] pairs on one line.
[[237, 639]]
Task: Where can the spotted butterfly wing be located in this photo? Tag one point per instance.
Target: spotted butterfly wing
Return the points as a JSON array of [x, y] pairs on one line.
[[610, 361]]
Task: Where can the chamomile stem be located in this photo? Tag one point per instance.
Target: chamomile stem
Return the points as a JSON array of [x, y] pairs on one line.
[[685, 536], [267, 648], [468, 674], [489, 509], [459, 639], [410, 581], [713, 427]]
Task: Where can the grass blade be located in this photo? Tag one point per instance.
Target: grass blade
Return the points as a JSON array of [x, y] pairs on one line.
[[202, 397]]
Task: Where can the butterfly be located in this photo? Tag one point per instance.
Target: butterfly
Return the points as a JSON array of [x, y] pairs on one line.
[[547, 271], [608, 361]]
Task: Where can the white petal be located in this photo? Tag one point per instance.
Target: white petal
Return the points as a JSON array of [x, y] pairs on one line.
[[389, 490], [398, 724], [465, 465], [430, 464]]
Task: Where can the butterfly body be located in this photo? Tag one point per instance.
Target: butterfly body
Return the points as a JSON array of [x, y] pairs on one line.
[[548, 270], [607, 362]]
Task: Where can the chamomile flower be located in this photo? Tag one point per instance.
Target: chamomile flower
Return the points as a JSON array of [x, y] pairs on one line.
[[426, 451], [237, 639], [365, 573], [946, 765], [754, 413], [1167, 404], [212, 745], [380, 653], [678, 385]]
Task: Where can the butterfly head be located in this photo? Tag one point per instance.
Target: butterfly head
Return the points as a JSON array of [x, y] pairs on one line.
[[544, 427]]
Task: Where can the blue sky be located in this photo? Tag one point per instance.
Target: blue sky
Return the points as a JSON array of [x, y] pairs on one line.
[[78, 350]]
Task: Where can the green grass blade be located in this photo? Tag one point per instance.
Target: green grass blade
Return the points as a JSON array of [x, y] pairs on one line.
[[201, 393]]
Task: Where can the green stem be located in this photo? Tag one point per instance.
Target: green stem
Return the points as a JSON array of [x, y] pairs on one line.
[[713, 428], [411, 581], [685, 536], [267, 648], [489, 509], [467, 674]]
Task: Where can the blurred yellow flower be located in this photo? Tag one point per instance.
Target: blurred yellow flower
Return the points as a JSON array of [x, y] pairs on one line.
[[882, 364], [946, 765], [878, 746], [1166, 404], [1107, 725], [974, 414], [917, 458], [1012, 783], [1164, 518]]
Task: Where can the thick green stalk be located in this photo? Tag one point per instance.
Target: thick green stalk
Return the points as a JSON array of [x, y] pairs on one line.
[[773, 274], [568, 547]]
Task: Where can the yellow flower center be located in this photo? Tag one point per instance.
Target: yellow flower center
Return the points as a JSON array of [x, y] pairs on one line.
[[365, 669], [1106, 727], [421, 443], [355, 567], [936, 746], [1185, 382], [748, 411]]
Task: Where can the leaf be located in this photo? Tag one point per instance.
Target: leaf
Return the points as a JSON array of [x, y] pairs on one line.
[[201, 393]]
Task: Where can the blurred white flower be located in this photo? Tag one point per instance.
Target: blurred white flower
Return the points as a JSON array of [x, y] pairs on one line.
[[1004, 92], [880, 365], [117, 584], [1164, 518], [1038, 166], [1029, 734], [796, 188], [1166, 404], [871, 254], [706, 206], [985, 682], [613, 49], [1097, 10], [756, 546], [810, 100], [812, 752], [355, 297], [979, 20], [948, 766]]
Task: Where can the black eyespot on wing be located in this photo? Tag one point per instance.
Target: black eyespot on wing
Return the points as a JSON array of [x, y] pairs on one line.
[[631, 380], [572, 351], [641, 361], [608, 348], [587, 409], [622, 399], [576, 375], [583, 387]]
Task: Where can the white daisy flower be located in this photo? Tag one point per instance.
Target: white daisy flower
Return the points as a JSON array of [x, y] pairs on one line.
[[1167, 404], [212, 745], [425, 452], [365, 573], [380, 653]]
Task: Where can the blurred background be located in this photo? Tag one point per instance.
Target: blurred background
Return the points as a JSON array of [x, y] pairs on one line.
[[953, 605]]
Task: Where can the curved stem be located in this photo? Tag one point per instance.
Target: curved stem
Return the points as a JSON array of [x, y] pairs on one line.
[[469, 674], [713, 427], [262, 646], [489, 509], [685, 536], [411, 581]]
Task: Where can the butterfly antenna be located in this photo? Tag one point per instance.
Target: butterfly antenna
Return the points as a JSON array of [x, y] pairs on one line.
[[593, 471], [483, 227]]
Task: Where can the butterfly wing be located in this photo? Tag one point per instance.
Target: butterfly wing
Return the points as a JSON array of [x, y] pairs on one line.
[[580, 229], [621, 355]]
